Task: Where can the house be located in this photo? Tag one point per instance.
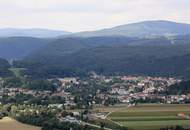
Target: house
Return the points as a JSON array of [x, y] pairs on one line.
[[118, 90], [99, 115], [76, 113], [55, 105], [65, 81], [183, 116], [141, 84], [69, 105], [70, 120]]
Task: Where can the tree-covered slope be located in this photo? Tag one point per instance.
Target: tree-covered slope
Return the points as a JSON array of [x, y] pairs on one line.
[[179, 88], [76, 56], [144, 60], [4, 68], [142, 29], [19, 47]]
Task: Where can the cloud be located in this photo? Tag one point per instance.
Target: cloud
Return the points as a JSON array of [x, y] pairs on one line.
[[81, 15], [63, 5]]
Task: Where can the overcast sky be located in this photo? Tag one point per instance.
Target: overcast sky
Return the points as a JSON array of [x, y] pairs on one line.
[[82, 15]]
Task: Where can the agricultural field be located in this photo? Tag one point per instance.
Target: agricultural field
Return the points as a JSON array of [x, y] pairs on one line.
[[152, 116], [10, 124]]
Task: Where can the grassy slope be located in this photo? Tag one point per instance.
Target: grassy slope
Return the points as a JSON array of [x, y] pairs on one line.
[[17, 71]]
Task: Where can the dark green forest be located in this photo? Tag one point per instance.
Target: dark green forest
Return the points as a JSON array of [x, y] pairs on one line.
[[75, 56], [179, 88], [114, 56], [4, 68]]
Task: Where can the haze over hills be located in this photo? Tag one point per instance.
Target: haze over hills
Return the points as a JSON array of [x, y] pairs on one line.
[[130, 34], [146, 29], [19, 47], [39, 33], [150, 48], [111, 55]]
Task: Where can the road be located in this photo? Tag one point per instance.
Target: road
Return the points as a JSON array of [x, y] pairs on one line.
[[84, 123]]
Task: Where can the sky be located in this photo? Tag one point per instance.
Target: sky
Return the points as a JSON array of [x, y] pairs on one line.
[[87, 15]]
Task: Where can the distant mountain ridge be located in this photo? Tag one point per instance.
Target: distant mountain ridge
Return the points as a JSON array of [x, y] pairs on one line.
[[146, 29], [157, 48], [52, 44], [38, 33]]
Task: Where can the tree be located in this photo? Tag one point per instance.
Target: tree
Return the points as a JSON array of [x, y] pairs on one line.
[[102, 125]]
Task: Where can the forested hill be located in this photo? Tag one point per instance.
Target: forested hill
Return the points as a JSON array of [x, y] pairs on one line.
[[78, 56], [179, 88], [157, 48], [4, 68], [22, 42], [19, 47], [65, 46], [144, 29]]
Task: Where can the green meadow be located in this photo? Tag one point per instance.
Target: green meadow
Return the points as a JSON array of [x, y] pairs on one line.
[[151, 116]]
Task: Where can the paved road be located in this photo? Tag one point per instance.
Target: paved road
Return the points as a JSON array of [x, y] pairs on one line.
[[84, 123]]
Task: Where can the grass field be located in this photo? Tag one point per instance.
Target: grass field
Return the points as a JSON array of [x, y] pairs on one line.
[[150, 116], [10, 124], [17, 71]]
